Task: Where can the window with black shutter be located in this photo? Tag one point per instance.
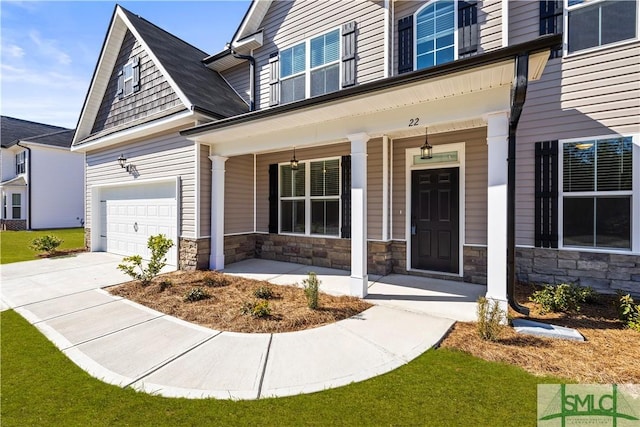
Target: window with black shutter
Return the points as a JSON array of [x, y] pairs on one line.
[[546, 194], [349, 54], [405, 45], [551, 18], [467, 27]]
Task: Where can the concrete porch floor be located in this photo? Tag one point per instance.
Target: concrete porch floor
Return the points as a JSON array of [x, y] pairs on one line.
[[437, 297]]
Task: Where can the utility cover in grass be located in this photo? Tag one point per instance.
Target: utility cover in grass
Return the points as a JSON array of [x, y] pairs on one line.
[[529, 327]]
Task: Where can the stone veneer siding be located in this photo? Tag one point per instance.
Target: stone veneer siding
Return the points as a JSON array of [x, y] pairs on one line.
[[605, 272], [87, 239], [239, 247], [193, 253]]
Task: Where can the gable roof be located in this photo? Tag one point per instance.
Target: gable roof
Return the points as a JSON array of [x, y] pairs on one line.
[[14, 130], [199, 88]]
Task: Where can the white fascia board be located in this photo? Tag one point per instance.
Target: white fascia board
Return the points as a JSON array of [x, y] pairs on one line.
[[254, 18], [38, 145], [249, 43], [137, 131], [100, 78]]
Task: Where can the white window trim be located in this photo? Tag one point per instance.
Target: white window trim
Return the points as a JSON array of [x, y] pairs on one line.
[[635, 196], [22, 156], [410, 153], [307, 63], [126, 79], [565, 31], [308, 198], [415, 32], [20, 206]]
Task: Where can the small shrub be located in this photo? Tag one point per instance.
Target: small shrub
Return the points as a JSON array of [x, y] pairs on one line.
[[48, 243], [216, 281], [165, 284], [563, 297], [196, 294], [490, 319], [311, 286], [263, 292], [159, 246], [629, 312], [256, 308]]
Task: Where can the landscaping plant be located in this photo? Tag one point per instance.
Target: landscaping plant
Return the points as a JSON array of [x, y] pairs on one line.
[[196, 294], [629, 312], [256, 308], [311, 286], [263, 292], [564, 297], [159, 246], [48, 243], [490, 319]]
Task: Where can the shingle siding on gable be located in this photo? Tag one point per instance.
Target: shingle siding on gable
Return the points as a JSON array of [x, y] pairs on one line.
[[287, 23], [155, 95]]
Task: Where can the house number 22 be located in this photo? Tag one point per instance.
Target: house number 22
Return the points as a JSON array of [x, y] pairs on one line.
[[414, 122]]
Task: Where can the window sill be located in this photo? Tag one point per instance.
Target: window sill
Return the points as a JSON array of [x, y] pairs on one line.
[[597, 49], [314, 236], [598, 250]]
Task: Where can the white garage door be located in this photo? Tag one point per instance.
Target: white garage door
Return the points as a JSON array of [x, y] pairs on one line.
[[129, 223]]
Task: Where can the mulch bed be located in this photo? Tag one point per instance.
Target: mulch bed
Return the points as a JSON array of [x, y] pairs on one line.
[[62, 253], [223, 310], [610, 354]]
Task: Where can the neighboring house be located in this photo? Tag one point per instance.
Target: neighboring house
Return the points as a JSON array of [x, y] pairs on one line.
[[333, 167], [42, 181]]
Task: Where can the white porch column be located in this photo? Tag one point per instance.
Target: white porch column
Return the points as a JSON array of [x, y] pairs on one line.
[[497, 140], [216, 258], [359, 277]]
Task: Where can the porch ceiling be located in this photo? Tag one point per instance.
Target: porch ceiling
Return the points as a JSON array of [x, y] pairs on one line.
[[445, 103]]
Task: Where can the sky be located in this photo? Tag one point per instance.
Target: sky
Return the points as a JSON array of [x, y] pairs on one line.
[[49, 49]]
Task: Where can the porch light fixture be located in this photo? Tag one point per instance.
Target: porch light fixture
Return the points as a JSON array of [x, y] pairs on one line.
[[122, 161], [426, 151], [294, 162]]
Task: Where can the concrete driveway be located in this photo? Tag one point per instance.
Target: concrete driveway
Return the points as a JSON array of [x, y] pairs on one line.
[[40, 280]]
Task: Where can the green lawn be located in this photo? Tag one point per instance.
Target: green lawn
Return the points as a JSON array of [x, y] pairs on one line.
[[14, 245], [40, 386]]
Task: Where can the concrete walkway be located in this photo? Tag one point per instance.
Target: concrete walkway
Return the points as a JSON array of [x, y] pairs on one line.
[[124, 343]]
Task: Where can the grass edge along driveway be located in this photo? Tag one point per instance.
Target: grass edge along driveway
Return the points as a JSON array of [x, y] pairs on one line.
[[14, 245], [40, 386]]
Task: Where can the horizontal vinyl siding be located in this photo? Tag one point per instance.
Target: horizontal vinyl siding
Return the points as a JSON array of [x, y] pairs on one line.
[[475, 181], [205, 190], [262, 174], [490, 23], [238, 79], [524, 21], [167, 156], [585, 95], [238, 195], [155, 94], [287, 23]]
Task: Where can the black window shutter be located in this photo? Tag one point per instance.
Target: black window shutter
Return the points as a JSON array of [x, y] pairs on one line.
[[546, 194], [405, 45], [274, 79], [120, 92], [349, 54], [136, 74], [345, 232], [273, 198], [467, 27], [551, 17]]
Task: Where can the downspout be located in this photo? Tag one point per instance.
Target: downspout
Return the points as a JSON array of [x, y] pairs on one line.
[[518, 96], [252, 76], [28, 185]]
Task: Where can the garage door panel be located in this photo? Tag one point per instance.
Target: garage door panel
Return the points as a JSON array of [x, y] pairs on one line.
[[129, 223]]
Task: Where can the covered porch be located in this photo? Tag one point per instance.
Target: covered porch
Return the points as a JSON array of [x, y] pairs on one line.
[[436, 297], [377, 129]]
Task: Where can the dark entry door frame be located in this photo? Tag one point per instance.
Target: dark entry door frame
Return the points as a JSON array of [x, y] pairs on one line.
[[412, 164]]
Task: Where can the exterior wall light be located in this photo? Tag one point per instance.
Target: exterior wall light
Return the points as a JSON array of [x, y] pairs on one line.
[[426, 151], [294, 162]]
